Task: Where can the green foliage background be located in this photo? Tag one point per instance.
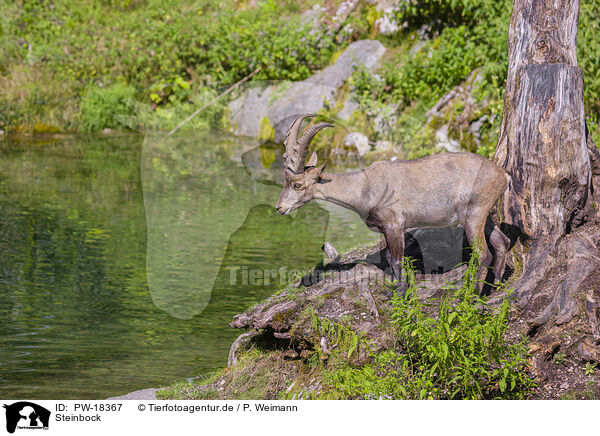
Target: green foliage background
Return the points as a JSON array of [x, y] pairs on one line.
[[57, 57]]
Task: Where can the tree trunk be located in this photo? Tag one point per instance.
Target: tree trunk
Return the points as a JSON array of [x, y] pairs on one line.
[[551, 203]]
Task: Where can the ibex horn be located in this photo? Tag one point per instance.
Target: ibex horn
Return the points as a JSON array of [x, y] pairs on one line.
[[292, 150], [304, 142], [296, 150]]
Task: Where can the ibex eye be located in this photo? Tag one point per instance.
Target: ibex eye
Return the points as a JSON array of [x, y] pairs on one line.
[[297, 186]]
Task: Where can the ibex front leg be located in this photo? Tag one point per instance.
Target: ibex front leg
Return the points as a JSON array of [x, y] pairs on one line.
[[394, 236]]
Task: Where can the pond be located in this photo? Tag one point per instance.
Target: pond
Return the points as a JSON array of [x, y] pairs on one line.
[[124, 258]]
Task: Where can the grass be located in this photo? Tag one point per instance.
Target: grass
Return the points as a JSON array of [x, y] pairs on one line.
[[258, 374]]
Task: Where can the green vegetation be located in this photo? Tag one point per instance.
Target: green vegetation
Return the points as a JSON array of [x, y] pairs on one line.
[[560, 358], [451, 348], [461, 352], [82, 50], [590, 368], [256, 375], [73, 66], [100, 107], [462, 36]]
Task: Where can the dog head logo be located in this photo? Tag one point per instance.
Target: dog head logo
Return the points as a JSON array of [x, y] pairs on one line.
[[26, 415]]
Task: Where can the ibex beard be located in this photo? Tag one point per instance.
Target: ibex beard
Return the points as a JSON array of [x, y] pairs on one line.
[[442, 190]]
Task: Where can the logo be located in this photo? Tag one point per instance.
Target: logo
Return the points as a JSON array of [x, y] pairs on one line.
[[26, 415]]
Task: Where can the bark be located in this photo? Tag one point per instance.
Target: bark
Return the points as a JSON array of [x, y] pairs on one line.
[[545, 146], [241, 341], [542, 141]]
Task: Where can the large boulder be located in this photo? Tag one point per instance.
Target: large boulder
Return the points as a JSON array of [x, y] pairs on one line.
[[358, 141], [266, 111]]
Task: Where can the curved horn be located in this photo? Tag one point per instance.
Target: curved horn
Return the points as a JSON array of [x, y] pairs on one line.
[[293, 160], [308, 136]]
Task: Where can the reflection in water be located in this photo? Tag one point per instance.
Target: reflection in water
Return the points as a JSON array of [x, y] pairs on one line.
[[249, 267], [77, 319]]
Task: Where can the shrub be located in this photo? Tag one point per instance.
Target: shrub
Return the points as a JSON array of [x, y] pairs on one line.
[[169, 50], [101, 107], [463, 352], [459, 351]]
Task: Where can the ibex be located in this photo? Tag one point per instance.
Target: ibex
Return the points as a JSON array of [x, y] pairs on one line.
[[442, 190]]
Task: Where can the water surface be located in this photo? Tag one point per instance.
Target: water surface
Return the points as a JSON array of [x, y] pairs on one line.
[[116, 276]]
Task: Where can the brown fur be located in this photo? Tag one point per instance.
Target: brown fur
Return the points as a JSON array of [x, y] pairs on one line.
[[443, 190]]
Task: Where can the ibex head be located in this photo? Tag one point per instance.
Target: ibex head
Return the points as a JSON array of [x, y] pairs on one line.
[[299, 178]]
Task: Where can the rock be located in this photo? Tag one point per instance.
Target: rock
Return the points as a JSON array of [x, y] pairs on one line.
[[591, 307], [143, 394], [384, 145], [417, 46], [475, 127], [589, 352], [382, 5], [426, 31], [344, 9], [302, 97], [383, 116], [272, 107], [385, 120], [248, 110], [358, 140], [312, 17], [444, 141], [350, 106], [387, 24], [330, 251]]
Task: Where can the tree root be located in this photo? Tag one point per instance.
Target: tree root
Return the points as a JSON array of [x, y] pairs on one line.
[[241, 341], [559, 294], [561, 273]]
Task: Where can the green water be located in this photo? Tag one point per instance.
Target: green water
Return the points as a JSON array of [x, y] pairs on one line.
[[117, 258]]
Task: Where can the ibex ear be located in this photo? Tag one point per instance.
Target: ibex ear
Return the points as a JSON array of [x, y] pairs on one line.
[[312, 162], [321, 168], [316, 172]]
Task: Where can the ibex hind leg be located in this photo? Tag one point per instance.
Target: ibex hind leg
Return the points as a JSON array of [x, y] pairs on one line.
[[500, 242], [475, 230]]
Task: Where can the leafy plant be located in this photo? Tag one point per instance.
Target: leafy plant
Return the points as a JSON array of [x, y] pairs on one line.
[[101, 107], [590, 368], [560, 358], [457, 351], [463, 352], [168, 51]]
